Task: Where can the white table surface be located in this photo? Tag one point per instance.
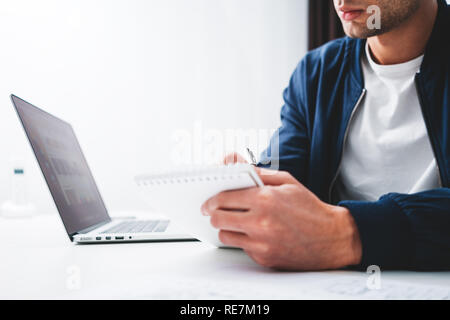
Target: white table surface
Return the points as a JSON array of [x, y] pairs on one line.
[[37, 261]]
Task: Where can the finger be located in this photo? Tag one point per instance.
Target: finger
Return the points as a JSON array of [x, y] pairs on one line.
[[275, 178], [234, 158], [230, 221], [232, 200], [237, 239]]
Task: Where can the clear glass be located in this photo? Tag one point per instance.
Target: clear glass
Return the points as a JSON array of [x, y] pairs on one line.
[[17, 205]]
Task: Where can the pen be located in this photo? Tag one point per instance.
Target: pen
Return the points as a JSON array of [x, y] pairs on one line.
[[252, 156]]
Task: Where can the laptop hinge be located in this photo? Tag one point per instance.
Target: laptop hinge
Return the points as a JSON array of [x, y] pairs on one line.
[[89, 229]]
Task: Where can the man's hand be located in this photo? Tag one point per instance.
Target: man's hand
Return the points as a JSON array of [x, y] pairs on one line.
[[234, 158], [283, 225]]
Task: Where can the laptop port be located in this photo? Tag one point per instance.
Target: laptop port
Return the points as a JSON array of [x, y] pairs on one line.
[[108, 238], [98, 238], [119, 238]]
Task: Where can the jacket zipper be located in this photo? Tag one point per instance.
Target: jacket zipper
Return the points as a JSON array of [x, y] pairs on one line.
[[428, 127], [363, 93]]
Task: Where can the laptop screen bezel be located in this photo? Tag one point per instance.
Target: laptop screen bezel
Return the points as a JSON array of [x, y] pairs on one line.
[[91, 226]]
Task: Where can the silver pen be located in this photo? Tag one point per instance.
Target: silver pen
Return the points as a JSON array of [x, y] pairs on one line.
[[252, 156]]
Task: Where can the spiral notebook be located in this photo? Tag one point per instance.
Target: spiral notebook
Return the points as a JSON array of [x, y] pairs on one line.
[[180, 194]]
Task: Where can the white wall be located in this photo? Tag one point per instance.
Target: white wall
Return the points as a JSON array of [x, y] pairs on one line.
[[129, 73]]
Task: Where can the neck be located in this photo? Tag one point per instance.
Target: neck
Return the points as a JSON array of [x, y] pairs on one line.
[[408, 41]]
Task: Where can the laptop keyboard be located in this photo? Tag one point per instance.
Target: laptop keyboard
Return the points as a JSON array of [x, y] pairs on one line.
[[139, 227]]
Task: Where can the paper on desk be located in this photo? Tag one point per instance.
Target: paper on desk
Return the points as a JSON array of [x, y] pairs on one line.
[[300, 286]]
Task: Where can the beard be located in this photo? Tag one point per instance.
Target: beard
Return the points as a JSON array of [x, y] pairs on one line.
[[393, 14]]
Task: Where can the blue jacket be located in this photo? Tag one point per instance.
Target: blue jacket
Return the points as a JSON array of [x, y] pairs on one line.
[[399, 231]]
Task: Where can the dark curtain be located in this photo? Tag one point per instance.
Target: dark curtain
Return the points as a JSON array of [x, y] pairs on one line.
[[324, 23]]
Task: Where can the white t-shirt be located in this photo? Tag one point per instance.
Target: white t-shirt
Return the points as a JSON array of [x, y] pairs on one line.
[[387, 148]]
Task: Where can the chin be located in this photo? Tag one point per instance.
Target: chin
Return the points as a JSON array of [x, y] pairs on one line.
[[359, 32]]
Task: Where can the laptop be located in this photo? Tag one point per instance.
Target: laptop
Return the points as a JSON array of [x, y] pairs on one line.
[[73, 187]]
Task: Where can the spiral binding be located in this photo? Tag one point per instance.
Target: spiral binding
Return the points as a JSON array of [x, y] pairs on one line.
[[195, 174]]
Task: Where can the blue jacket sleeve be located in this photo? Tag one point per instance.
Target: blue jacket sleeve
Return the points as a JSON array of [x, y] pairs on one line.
[[402, 231], [289, 146]]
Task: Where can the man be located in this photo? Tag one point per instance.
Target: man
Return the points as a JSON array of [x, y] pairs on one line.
[[363, 151]]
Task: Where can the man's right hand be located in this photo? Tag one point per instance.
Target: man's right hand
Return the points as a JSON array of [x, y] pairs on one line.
[[234, 158]]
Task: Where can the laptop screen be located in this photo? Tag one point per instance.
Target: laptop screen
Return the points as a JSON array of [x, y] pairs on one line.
[[64, 167]]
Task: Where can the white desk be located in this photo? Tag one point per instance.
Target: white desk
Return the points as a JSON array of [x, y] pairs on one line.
[[37, 261]]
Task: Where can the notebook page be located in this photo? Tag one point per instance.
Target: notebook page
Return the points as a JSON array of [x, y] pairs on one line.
[[180, 195]]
